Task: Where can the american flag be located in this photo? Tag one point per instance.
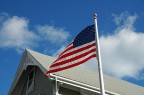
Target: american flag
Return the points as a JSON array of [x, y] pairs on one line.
[[80, 50]]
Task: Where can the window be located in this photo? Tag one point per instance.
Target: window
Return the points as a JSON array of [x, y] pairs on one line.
[[30, 81]]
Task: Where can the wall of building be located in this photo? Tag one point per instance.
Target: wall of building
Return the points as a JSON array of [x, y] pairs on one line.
[[17, 90], [42, 85], [45, 86]]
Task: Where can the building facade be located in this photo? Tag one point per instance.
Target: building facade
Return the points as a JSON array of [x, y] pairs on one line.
[[30, 79]]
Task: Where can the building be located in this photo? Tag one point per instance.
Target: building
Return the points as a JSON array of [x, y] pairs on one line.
[[30, 79]]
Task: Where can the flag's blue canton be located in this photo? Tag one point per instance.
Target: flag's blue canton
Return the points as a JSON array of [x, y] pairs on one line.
[[85, 36]]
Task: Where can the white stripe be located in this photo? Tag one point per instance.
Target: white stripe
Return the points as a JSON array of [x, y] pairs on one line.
[[73, 62], [71, 50], [75, 54]]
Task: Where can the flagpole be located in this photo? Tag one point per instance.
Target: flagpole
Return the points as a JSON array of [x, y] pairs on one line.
[[99, 57]]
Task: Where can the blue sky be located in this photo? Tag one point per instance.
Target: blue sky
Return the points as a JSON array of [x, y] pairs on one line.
[[47, 26]]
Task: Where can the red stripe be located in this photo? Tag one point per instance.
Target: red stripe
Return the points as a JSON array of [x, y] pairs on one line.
[[76, 51], [70, 66], [72, 59], [66, 50]]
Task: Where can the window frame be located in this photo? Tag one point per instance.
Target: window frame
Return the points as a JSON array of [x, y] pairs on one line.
[[30, 87]]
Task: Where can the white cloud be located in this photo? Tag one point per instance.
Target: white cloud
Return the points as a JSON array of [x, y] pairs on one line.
[[122, 52], [124, 19], [53, 34], [14, 33]]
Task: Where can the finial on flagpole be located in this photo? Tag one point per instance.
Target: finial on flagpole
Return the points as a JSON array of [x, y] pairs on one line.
[[95, 15]]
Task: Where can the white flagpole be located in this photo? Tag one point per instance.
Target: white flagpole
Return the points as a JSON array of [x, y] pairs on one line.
[[99, 57]]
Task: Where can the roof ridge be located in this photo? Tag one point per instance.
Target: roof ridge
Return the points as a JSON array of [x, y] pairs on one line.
[[29, 50]]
